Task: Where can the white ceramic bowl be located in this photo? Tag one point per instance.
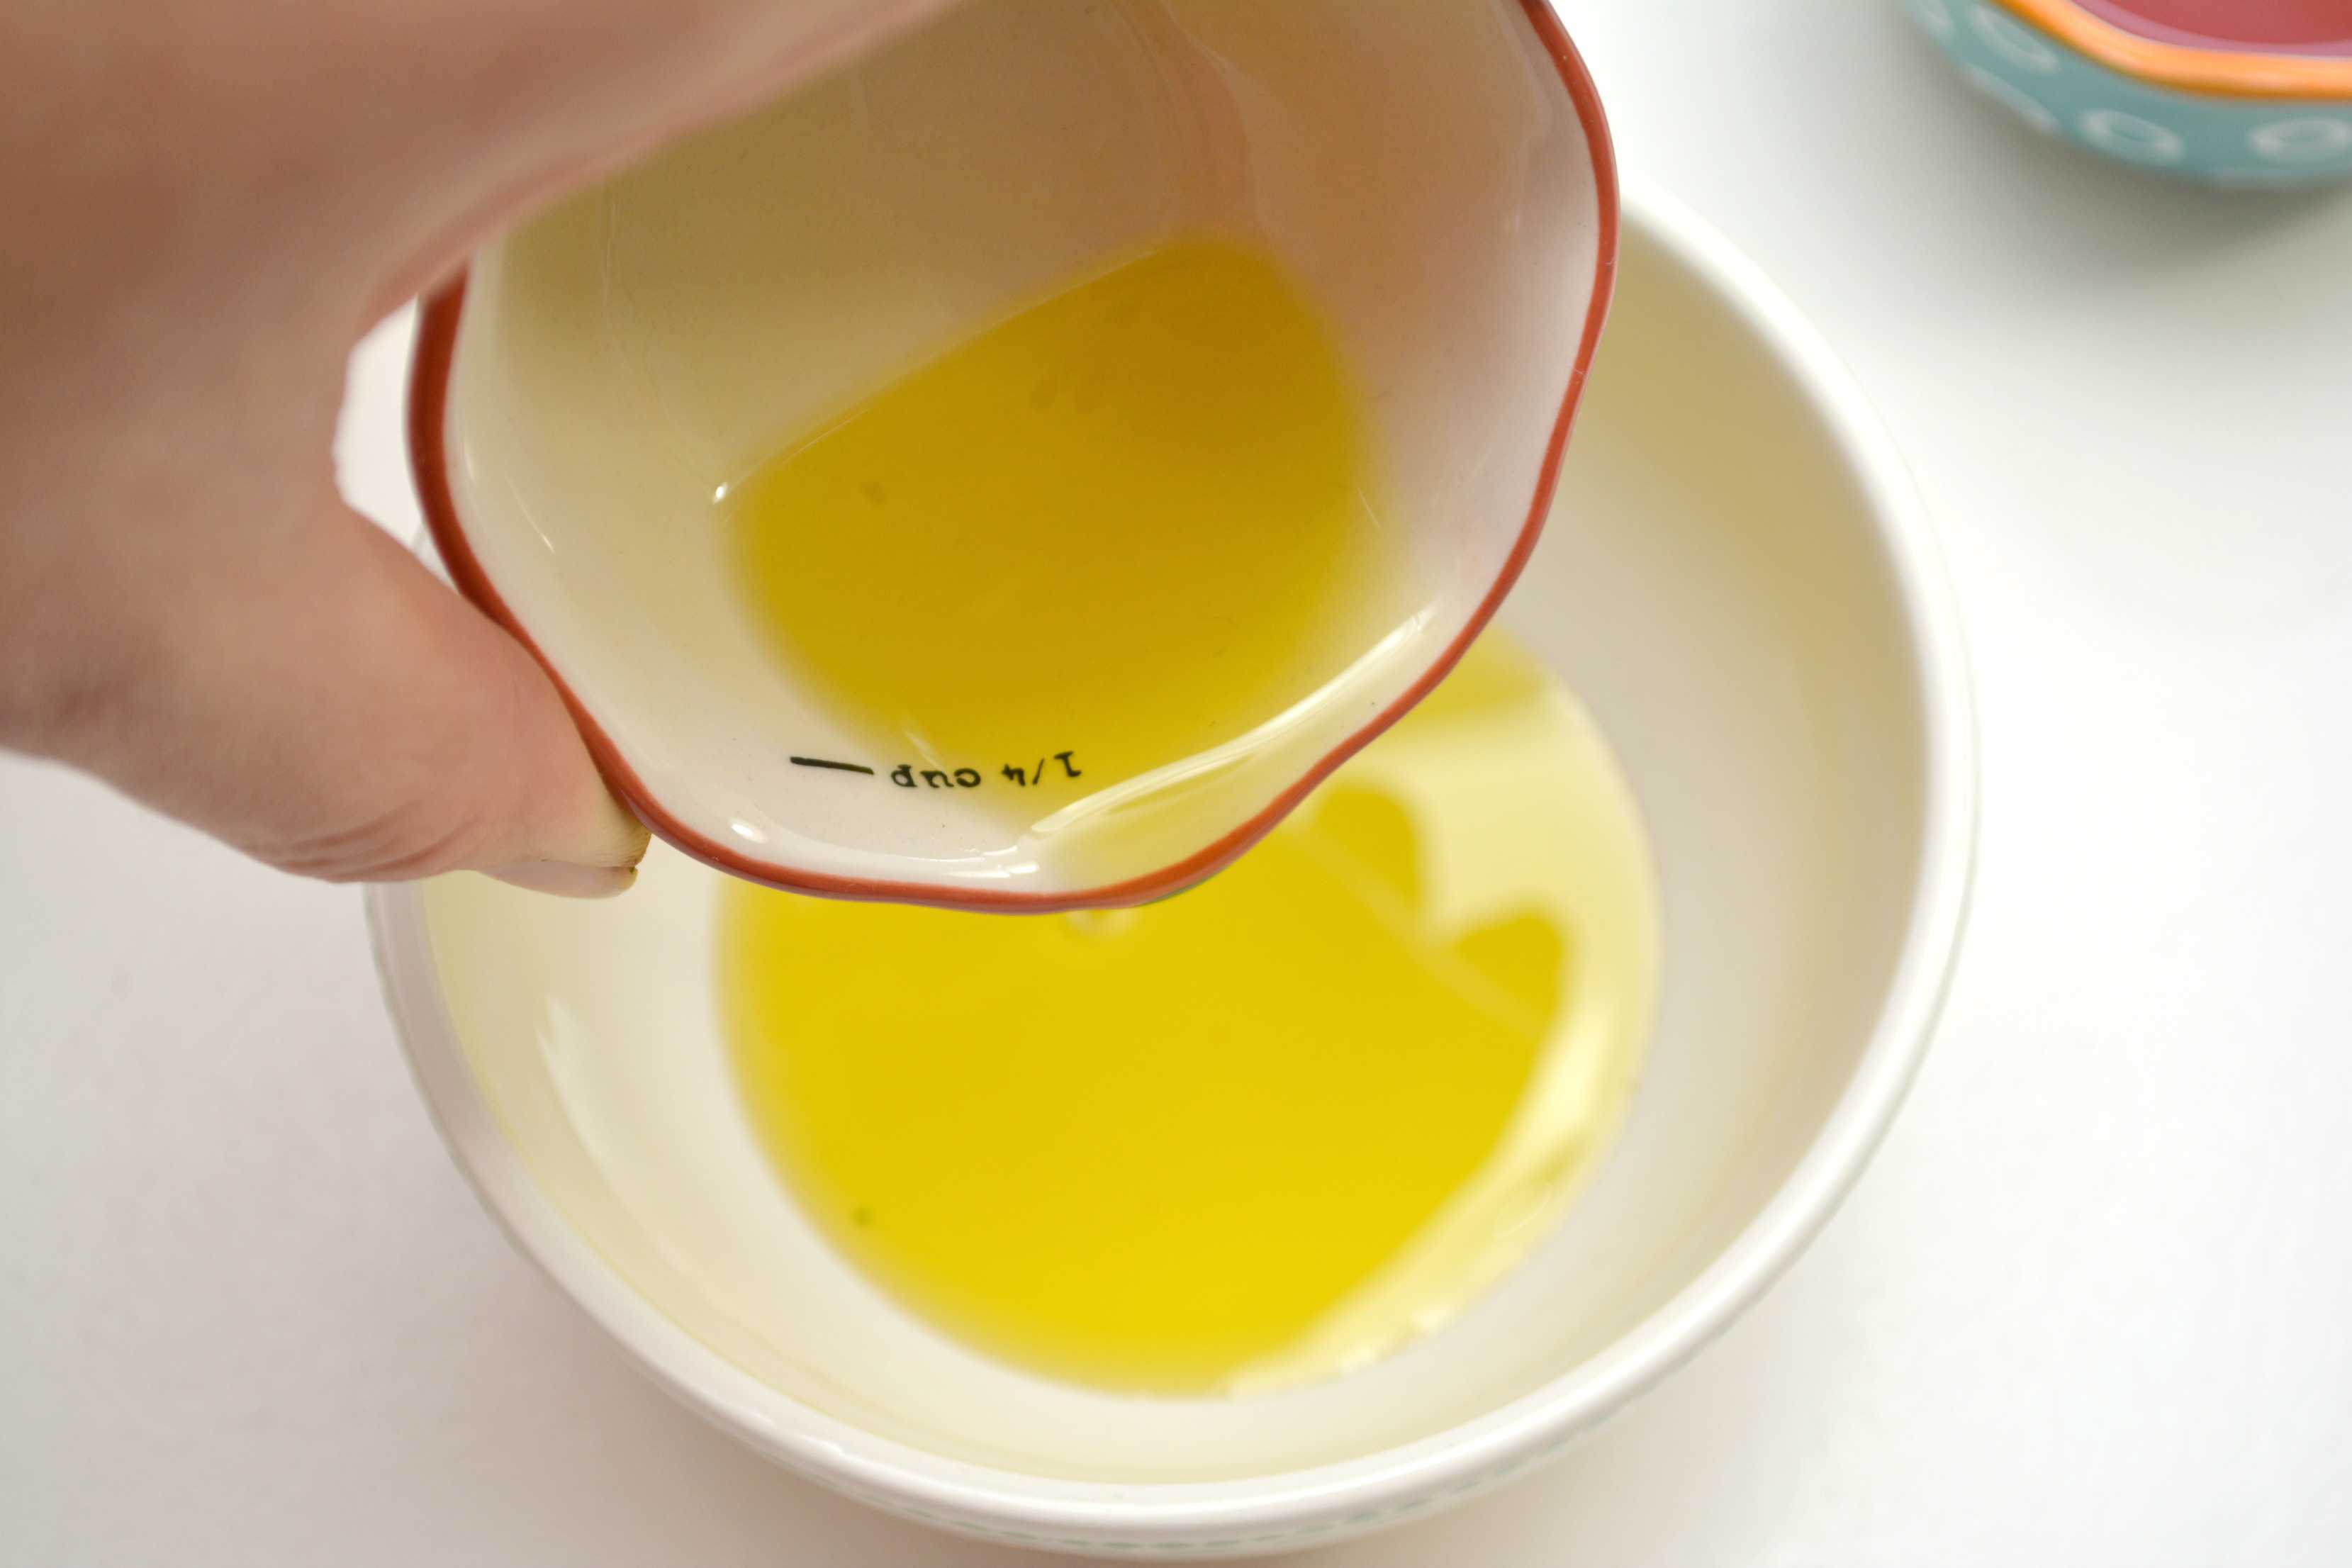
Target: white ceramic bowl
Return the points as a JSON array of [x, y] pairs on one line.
[[1437, 172], [1741, 588]]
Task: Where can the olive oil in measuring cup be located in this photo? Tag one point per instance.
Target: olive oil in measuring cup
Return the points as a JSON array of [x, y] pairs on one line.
[[1127, 525]]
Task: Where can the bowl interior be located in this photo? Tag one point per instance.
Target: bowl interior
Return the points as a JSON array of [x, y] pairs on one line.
[[1722, 597], [1429, 171]]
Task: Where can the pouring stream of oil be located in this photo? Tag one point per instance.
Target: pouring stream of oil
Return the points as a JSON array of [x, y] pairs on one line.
[[1274, 1127]]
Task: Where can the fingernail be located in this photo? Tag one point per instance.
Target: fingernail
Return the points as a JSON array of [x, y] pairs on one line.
[[565, 880]]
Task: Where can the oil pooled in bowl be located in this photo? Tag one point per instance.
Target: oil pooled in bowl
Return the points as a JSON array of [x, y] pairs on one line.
[[1124, 526], [1255, 1135]]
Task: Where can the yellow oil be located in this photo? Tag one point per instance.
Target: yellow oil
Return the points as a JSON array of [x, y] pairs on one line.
[[1251, 1136], [1129, 523]]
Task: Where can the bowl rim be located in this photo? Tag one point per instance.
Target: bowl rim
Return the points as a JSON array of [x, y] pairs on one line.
[[2211, 72], [429, 377], [1326, 1500]]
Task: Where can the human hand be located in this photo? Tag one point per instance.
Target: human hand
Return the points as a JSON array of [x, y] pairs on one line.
[[208, 206]]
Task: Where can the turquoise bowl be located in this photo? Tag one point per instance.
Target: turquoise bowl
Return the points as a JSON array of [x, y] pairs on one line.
[[2225, 117]]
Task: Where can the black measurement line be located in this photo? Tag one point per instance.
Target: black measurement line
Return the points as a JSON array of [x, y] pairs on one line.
[[837, 767]]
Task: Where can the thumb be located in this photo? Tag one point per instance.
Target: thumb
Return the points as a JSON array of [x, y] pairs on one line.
[[338, 712]]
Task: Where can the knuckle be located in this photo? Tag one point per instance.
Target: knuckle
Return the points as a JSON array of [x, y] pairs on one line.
[[438, 796], [405, 840]]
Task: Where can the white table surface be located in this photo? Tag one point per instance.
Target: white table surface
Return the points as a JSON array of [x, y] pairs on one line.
[[2093, 1304]]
